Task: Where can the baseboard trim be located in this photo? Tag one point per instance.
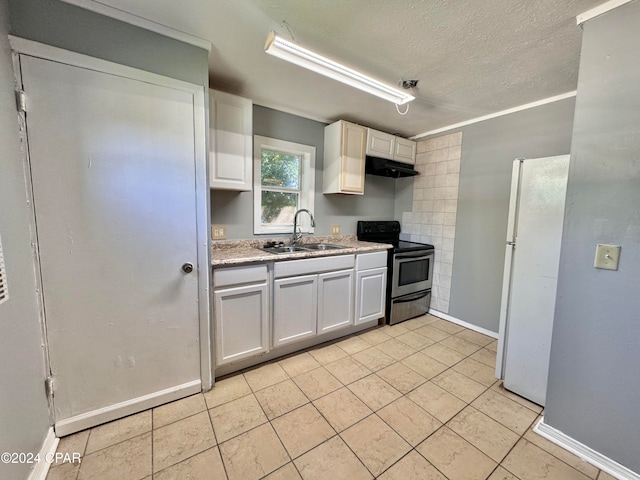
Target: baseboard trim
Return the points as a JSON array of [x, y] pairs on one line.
[[49, 447], [586, 453], [122, 409], [462, 323]]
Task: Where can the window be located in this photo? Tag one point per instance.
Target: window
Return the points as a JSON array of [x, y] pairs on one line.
[[283, 182]]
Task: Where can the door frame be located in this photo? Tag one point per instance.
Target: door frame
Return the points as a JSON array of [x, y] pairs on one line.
[[21, 46]]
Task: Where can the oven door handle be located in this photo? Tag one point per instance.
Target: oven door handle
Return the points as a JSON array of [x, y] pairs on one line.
[[412, 297], [412, 255]]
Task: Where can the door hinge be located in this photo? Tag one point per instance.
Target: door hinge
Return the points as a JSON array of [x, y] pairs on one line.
[[48, 387], [21, 101]]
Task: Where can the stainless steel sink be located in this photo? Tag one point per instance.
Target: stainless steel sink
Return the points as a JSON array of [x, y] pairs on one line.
[[306, 247], [322, 246], [285, 249]]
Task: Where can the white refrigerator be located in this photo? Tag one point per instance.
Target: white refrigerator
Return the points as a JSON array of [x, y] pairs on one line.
[[532, 256]]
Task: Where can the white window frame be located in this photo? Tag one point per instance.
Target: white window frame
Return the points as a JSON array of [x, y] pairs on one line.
[[307, 182]]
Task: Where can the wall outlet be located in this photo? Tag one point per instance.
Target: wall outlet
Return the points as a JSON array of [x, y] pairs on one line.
[[607, 256], [218, 232], [335, 229]]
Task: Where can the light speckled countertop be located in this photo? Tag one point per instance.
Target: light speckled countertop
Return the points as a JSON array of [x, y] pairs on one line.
[[242, 252]]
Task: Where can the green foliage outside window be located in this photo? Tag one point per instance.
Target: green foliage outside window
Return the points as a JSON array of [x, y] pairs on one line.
[[280, 180]]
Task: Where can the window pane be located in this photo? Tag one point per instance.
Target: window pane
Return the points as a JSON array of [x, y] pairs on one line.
[[279, 169], [278, 208]]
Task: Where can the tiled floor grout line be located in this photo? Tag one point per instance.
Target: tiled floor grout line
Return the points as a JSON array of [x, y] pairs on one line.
[[215, 437], [467, 404], [374, 412], [270, 425], [494, 388], [349, 446]]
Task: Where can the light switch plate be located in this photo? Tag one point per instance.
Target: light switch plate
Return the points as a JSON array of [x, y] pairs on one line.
[[218, 232], [607, 256], [335, 229]]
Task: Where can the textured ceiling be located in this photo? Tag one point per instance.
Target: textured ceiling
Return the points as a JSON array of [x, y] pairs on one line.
[[472, 57]]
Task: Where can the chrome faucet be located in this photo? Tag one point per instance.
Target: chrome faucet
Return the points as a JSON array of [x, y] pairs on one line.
[[295, 238]]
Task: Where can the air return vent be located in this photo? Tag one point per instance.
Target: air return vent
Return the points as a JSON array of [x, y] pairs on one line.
[[4, 291]]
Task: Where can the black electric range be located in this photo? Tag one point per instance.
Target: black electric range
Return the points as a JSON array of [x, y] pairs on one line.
[[409, 270]]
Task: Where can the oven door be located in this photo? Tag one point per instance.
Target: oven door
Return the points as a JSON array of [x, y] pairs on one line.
[[412, 272]]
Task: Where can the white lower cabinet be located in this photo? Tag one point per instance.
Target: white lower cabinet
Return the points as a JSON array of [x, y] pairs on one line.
[[335, 300], [242, 322], [295, 301], [370, 288], [255, 312], [241, 312], [311, 297]]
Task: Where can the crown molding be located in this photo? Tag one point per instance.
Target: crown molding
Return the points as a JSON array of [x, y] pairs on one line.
[[141, 22]]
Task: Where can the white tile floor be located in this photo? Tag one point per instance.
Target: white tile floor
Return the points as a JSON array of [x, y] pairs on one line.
[[414, 401]]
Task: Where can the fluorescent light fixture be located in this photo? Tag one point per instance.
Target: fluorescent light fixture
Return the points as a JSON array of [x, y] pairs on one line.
[[291, 52]]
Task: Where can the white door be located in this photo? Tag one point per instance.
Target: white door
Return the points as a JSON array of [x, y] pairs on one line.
[[335, 300], [113, 173], [531, 273], [295, 308]]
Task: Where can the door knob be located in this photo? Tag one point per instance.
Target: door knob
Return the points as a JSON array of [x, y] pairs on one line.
[[187, 268]]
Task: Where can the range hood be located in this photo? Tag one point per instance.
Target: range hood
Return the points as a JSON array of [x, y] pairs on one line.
[[388, 168]]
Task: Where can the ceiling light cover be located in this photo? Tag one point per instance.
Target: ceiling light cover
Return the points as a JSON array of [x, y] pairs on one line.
[[291, 52]]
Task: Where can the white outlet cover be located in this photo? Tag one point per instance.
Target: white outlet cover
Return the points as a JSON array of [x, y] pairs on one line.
[[607, 256]]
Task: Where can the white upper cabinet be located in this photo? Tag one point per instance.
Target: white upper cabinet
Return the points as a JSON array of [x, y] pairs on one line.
[[344, 158], [380, 144], [405, 151], [385, 145], [231, 146]]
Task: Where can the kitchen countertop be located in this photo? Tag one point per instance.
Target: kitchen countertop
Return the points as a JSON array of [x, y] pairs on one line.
[[242, 252]]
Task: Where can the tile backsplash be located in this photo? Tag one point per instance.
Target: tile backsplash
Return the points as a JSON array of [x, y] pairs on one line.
[[432, 218]]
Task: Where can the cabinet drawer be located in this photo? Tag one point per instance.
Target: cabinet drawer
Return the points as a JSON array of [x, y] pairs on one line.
[[224, 277], [312, 265], [365, 261]]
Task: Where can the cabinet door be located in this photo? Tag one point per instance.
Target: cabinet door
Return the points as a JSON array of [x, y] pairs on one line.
[[370, 294], [231, 142], [380, 144], [241, 322], [335, 300], [353, 158], [405, 151], [295, 304]]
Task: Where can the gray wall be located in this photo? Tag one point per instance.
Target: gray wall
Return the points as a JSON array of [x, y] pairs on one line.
[[488, 151], [594, 387], [24, 415], [66, 26], [235, 209]]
